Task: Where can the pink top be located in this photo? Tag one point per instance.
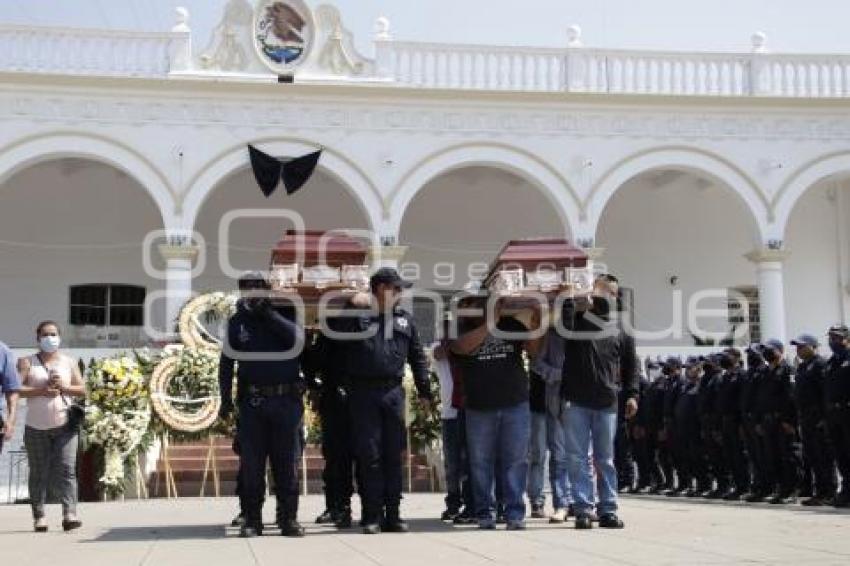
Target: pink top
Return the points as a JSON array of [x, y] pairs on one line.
[[45, 413]]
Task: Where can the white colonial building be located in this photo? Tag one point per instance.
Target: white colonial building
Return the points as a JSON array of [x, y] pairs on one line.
[[680, 171]]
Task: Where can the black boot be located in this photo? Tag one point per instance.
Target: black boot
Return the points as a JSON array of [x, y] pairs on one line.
[[326, 517], [289, 527], [393, 522], [343, 518], [252, 526], [371, 521]]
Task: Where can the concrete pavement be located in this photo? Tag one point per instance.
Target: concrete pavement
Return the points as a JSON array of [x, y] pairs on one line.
[[658, 532]]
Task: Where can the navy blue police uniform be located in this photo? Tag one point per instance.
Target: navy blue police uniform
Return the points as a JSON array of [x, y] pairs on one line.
[[777, 424], [270, 404], [374, 356], [837, 399]]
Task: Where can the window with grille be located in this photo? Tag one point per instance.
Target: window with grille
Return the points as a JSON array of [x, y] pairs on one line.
[[106, 305]]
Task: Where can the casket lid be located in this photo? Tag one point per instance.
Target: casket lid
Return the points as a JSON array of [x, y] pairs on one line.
[[306, 247], [529, 254]]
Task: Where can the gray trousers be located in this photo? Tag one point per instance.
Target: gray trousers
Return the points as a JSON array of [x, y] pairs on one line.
[[52, 456]]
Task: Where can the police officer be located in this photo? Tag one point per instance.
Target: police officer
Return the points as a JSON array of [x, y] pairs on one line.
[[624, 460], [687, 435], [777, 426], [710, 424], [809, 397], [644, 431], [837, 396], [672, 453], [376, 341], [267, 345], [325, 372], [728, 407]]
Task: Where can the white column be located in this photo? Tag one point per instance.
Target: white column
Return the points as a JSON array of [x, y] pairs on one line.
[[178, 280], [771, 291]]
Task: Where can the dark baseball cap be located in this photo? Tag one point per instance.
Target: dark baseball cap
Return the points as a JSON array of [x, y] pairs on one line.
[[253, 280], [773, 344], [732, 351], [694, 361], [805, 340], [839, 330], [389, 276], [673, 361]]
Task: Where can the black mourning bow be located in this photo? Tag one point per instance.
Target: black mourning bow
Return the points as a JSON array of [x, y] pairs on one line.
[[269, 170]]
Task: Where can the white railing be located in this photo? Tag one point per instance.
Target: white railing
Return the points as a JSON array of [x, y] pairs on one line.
[[578, 69], [432, 65], [457, 66], [86, 51]]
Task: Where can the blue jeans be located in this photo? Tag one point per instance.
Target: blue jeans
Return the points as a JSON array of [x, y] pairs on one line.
[[558, 460], [504, 433], [537, 459], [586, 427]]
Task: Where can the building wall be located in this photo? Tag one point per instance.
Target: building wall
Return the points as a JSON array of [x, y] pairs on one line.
[[687, 228], [63, 223], [813, 289]]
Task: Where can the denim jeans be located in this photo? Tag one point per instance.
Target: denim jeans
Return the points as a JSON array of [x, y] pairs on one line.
[[585, 428], [537, 459], [558, 460], [456, 463], [504, 433]]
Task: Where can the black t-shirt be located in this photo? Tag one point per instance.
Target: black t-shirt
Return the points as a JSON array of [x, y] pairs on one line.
[[494, 375]]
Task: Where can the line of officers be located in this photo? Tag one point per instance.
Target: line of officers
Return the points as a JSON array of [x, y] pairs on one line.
[[717, 428], [354, 375]]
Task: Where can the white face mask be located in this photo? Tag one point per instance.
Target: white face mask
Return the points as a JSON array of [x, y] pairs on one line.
[[49, 344]]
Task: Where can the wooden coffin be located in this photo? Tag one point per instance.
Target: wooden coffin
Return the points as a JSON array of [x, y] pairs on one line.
[[314, 262], [548, 265]]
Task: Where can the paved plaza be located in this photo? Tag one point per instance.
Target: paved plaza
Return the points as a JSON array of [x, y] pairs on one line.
[[659, 531]]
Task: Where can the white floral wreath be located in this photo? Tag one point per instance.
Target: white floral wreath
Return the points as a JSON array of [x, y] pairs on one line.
[[169, 409]]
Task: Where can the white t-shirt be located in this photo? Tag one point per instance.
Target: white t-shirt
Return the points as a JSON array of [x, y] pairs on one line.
[[444, 372]]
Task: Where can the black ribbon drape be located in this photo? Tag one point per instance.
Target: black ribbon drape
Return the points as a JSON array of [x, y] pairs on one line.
[[269, 170]]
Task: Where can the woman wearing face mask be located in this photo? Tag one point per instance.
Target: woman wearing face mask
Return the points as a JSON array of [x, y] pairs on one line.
[[50, 381]]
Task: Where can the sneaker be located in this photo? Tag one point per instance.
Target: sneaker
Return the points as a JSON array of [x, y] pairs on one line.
[[812, 502], [783, 499], [558, 517], [465, 518], [371, 529], [583, 522], [449, 515], [486, 525], [610, 521], [537, 512], [237, 521], [40, 525], [516, 525], [325, 518]]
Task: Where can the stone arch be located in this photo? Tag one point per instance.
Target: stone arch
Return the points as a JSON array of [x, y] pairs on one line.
[[799, 182], [215, 170], [522, 163], [686, 159], [30, 151]]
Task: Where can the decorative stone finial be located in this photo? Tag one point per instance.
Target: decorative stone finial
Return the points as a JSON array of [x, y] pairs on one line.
[[382, 29], [574, 36], [181, 15], [759, 42]]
